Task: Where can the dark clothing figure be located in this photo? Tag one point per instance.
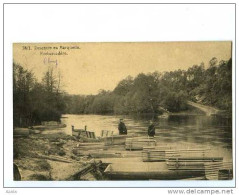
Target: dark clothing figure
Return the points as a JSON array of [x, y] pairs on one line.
[[151, 130], [122, 128]]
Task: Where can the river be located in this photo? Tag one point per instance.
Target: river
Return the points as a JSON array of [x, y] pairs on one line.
[[192, 131]]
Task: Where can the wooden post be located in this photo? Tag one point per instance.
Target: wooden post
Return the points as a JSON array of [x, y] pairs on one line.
[[112, 141], [93, 135]]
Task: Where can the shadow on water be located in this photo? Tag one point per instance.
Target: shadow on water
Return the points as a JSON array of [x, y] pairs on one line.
[[212, 130], [200, 130]]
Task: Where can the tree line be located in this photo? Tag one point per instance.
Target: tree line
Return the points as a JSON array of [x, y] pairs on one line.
[[159, 92], [36, 101]]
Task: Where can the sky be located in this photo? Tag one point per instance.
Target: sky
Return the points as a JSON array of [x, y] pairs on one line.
[[86, 68]]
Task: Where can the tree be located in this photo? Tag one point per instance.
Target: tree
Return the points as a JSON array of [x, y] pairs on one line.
[[34, 102], [23, 82], [148, 93], [124, 86]]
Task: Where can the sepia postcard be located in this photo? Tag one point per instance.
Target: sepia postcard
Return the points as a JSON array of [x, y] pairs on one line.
[[114, 111]]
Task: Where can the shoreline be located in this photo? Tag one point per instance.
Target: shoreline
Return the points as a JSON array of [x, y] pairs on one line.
[[44, 157]]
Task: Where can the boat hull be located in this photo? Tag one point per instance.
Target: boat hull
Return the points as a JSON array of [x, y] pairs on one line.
[[148, 171], [116, 139]]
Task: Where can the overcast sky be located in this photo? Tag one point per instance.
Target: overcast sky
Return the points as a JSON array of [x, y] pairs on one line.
[[98, 66]]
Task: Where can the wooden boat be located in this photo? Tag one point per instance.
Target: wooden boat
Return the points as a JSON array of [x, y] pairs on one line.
[[106, 133], [76, 132], [163, 153], [138, 143], [83, 149], [83, 133], [100, 154], [148, 170], [210, 165], [174, 168], [195, 159], [116, 139]]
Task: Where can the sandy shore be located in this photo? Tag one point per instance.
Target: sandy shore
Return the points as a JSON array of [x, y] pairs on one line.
[[50, 157]]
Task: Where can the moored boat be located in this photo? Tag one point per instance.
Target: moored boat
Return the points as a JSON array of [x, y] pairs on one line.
[[146, 171], [116, 139], [83, 133]]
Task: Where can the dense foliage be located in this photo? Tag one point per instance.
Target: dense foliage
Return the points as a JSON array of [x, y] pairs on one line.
[[156, 92], [33, 101]]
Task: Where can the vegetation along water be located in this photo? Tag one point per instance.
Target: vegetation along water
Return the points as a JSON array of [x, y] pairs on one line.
[[36, 101]]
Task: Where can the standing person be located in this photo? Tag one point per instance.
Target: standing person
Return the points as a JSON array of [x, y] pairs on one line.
[[122, 128], [151, 129]]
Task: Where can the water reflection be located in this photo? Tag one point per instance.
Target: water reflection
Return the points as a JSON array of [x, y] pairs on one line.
[[185, 130]]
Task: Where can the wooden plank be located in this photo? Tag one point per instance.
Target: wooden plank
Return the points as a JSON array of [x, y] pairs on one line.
[[105, 155], [116, 139], [145, 171], [90, 166], [54, 158], [93, 135], [100, 146], [121, 160], [195, 158], [82, 133], [75, 133], [161, 154], [138, 143]]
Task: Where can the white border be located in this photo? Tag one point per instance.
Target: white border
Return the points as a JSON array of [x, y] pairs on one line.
[[109, 23]]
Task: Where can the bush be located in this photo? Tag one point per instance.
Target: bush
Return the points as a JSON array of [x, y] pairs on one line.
[[175, 102]]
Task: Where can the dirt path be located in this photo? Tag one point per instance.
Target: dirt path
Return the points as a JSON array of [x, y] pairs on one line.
[[207, 109]]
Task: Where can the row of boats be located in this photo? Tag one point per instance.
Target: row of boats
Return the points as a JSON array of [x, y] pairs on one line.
[[128, 157]]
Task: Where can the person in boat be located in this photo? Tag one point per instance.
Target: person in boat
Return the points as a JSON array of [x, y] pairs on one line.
[[122, 128], [151, 129]]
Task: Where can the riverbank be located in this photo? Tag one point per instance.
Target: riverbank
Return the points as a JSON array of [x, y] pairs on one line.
[[50, 157], [59, 157], [56, 155]]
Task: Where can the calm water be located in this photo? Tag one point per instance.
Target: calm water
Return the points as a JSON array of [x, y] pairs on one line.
[[186, 131]]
